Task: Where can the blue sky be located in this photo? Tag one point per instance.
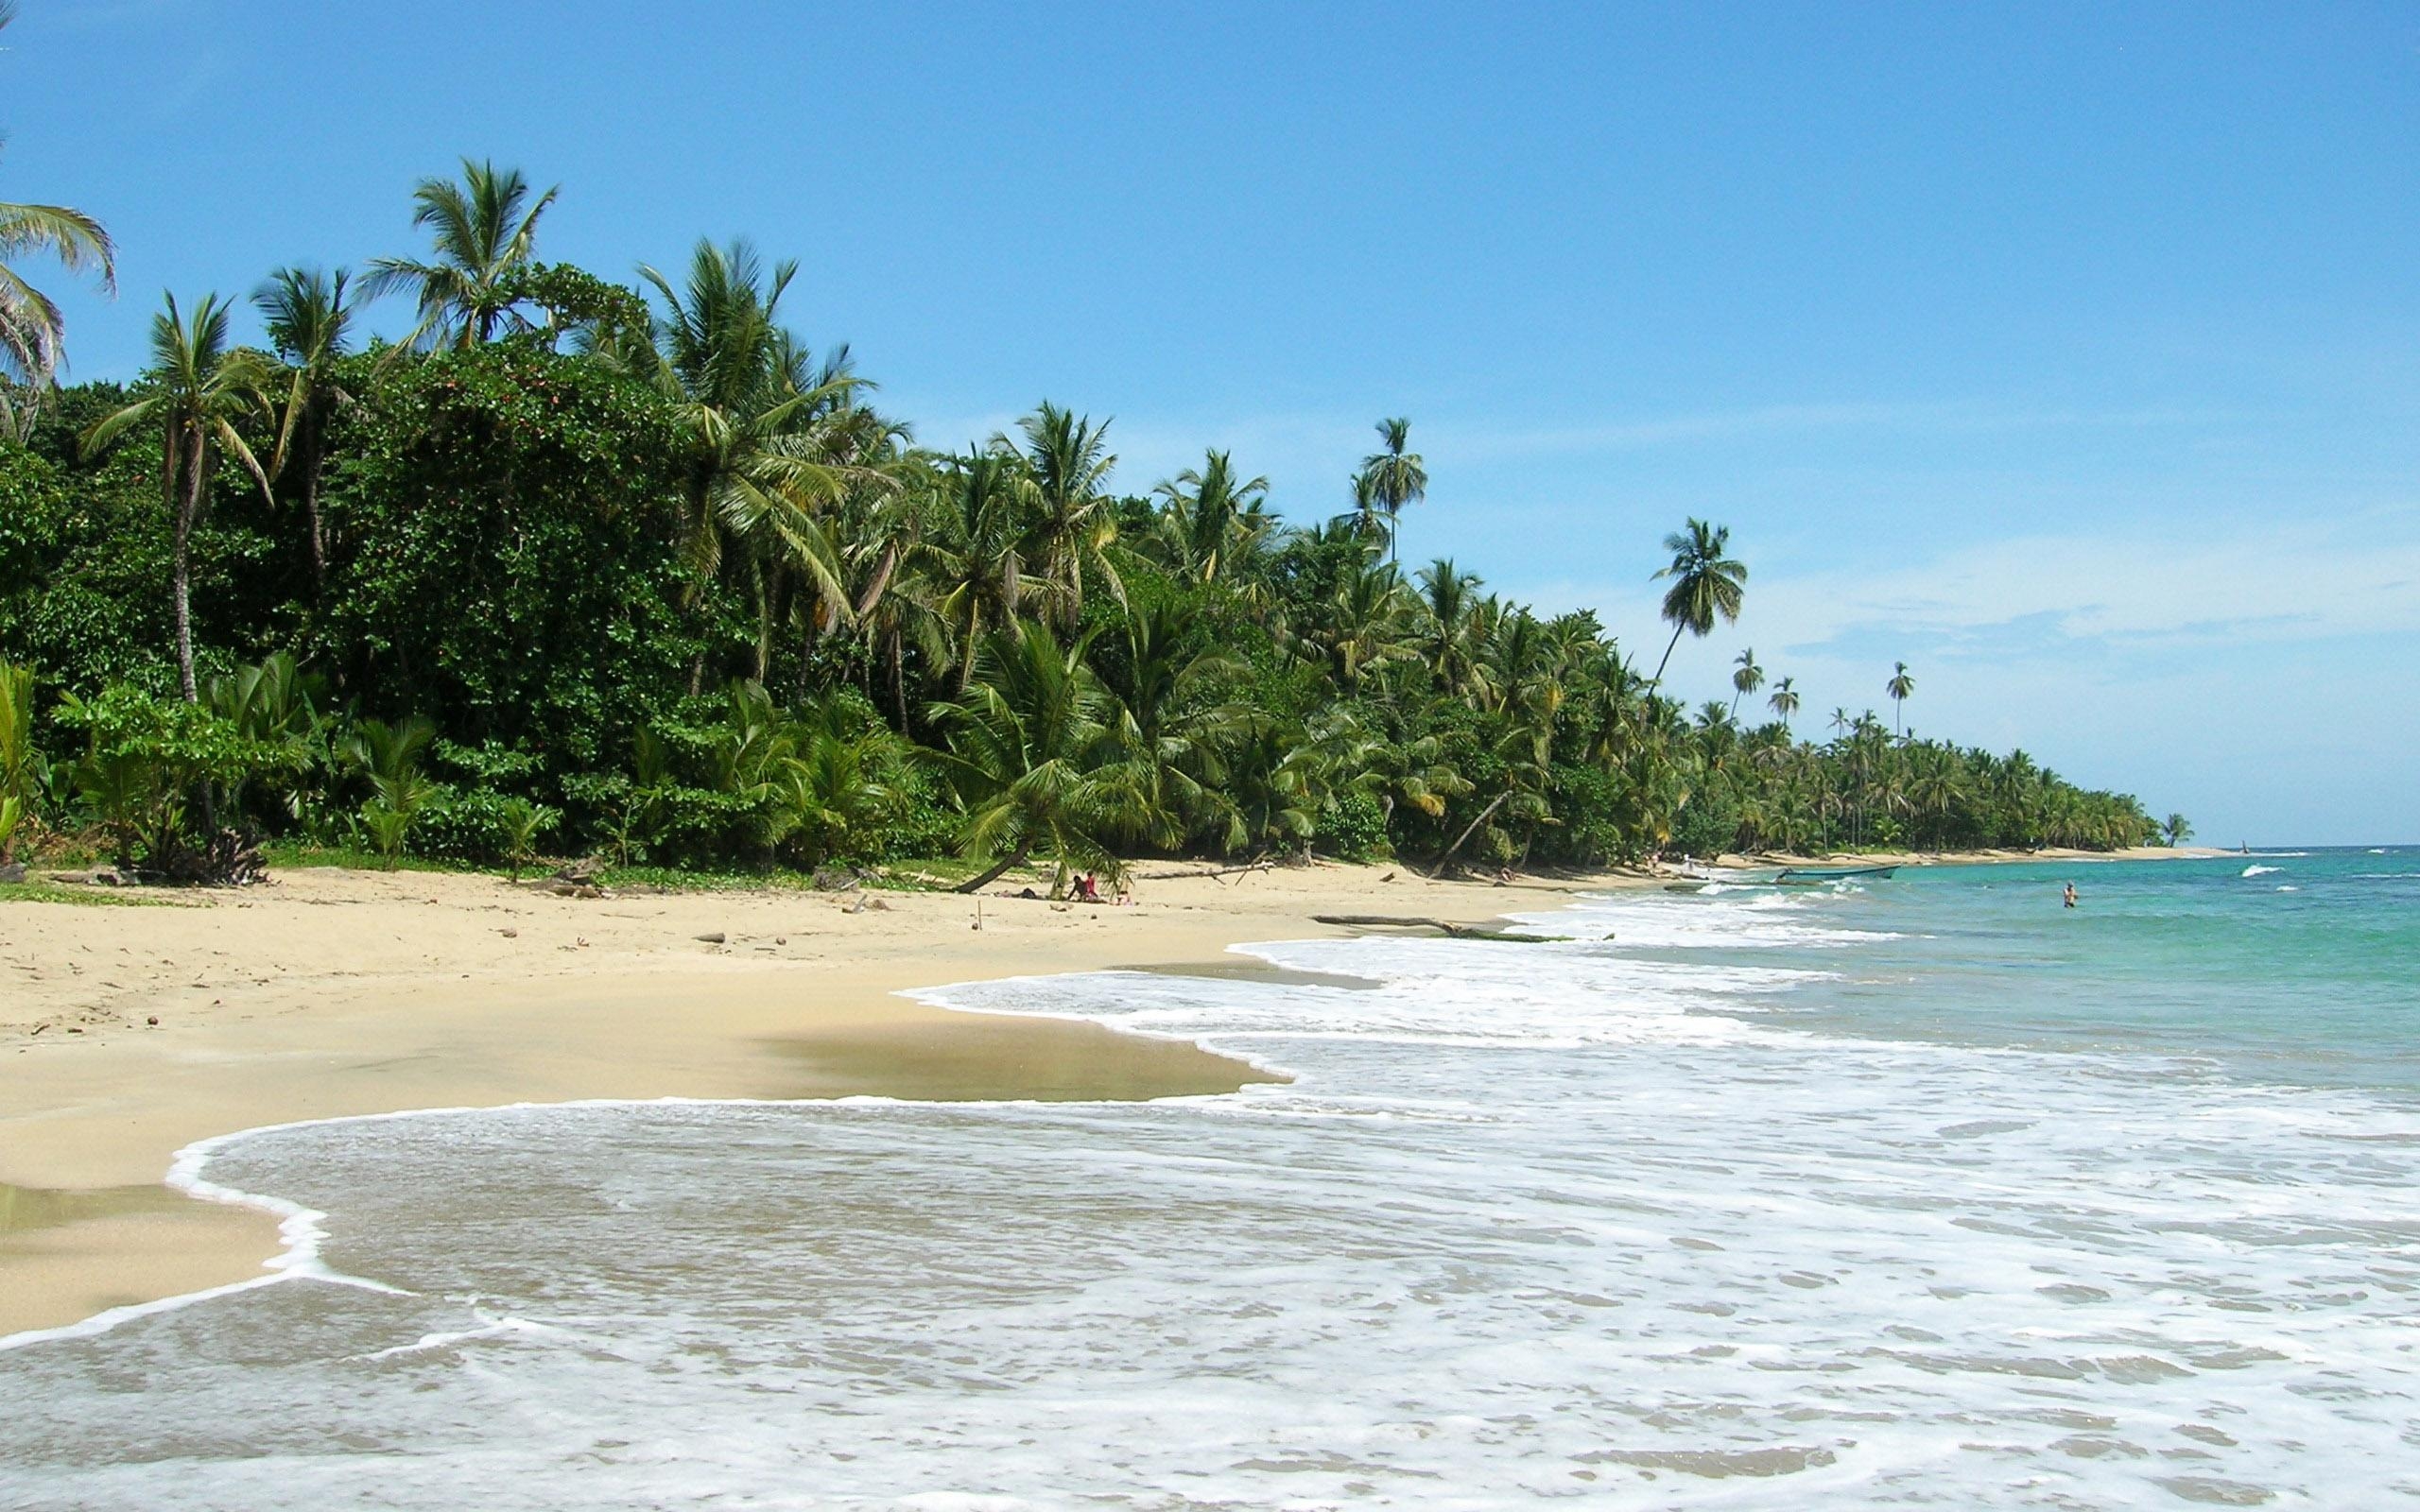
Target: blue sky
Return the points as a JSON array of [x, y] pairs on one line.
[[2065, 352]]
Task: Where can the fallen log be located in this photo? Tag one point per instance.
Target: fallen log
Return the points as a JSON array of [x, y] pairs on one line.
[[1445, 927], [1264, 864]]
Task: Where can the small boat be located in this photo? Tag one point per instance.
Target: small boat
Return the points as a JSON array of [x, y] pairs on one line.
[[1807, 876]]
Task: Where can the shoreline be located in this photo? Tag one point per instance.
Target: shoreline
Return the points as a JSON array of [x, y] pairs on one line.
[[333, 993]]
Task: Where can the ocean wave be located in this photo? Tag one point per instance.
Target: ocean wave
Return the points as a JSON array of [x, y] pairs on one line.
[[2260, 871], [1529, 1212]]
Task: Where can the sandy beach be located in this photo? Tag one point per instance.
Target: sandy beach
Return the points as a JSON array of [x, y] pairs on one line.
[[131, 1032], [330, 992]]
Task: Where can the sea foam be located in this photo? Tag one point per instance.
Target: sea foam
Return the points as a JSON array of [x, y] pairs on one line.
[[1598, 1219]]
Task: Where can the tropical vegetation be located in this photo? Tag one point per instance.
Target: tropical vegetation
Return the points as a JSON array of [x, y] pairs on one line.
[[634, 570]]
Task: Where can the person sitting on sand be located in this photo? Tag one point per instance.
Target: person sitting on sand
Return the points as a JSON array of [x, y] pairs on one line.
[[1087, 888], [2071, 895]]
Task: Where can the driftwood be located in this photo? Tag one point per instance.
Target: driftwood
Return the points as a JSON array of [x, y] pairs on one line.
[[1264, 864], [1442, 925]]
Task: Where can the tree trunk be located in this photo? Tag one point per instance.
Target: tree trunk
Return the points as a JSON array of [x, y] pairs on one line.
[[319, 538], [898, 680], [1468, 831], [1657, 681], [978, 884], [186, 510]]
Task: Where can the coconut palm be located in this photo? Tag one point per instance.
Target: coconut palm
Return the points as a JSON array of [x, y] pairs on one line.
[[977, 568], [1032, 758], [485, 231], [1899, 687], [31, 328], [1449, 631], [308, 319], [1391, 477], [198, 390], [1068, 460], [763, 431], [1706, 584], [1210, 519], [1746, 678], [1172, 719], [1785, 700]]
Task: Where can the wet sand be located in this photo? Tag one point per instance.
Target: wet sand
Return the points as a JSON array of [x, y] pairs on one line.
[[331, 992]]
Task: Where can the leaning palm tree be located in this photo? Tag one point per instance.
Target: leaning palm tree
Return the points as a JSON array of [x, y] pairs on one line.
[[199, 388], [1392, 477], [1706, 584], [1032, 757], [307, 319], [31, 328], [1785, 700], [1746, 679], [485, 229], [1899, 687]]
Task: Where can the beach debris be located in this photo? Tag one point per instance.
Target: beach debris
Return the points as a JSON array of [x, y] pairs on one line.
[[781, 939], [509, 934], [717, 937], [1443, 926], [1257, 864], [152, 1020], [839, 879], [1388, 877]]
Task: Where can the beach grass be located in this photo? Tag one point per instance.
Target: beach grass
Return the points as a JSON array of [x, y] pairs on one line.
[[51, 892]]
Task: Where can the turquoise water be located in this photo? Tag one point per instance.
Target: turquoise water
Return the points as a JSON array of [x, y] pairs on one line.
[[2299, 966], [1920, 1193]]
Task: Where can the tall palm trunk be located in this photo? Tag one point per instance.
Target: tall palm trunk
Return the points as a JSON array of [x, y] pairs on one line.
[[898, 678], [319, 538], [1657, 681], [186, 510]]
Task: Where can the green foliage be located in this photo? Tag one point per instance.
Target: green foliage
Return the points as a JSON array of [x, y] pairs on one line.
[[158, 773], [505, 569], [1353, 826], [647, 577]]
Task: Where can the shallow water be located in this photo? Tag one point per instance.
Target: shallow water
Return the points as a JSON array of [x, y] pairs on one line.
[[1932, 1195]]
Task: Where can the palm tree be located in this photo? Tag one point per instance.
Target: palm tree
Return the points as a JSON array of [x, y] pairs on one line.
[[307, 319], [1785, 700], [978, 571], [1746, 679], [1171, 720], [485, 229], [31, 328], [1033, 760], [1449, 596], [198, 389], [1899, 687], [758, 423], [1706, 584], [1392, 478], [1209, 517], [1068, 459]]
